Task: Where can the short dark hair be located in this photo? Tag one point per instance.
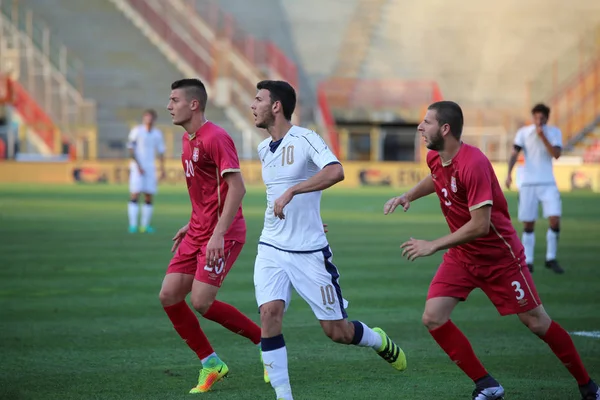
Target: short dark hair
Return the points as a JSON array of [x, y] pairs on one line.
[[448, 112], [194, 90], [541, 108], [282, 92], [150, 111]]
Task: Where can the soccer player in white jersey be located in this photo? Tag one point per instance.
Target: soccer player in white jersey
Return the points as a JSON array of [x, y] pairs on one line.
[[540, 143], [293, 250], [144, 143]]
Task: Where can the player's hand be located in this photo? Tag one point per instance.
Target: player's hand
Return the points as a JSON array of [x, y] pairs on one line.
[[215, 250], [414, 249], [179, 237], [325, 228], [141, 169], [281, 202], [508, 181], [394, 202], [539, 129]]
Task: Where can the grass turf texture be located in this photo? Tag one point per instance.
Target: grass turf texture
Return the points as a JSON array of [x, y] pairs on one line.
[[80, 316]]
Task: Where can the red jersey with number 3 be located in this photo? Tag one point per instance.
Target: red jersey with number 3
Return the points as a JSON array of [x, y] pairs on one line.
[[206, 158], [464, 184]]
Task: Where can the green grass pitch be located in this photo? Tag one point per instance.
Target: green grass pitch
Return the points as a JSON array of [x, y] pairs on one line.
[[80, 316]]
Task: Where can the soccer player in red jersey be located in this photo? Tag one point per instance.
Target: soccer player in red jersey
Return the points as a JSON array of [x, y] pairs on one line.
[[208, 245], [484, 252]]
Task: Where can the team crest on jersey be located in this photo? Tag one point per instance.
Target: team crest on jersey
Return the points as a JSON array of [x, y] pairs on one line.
[[453, 184], [196, 154]]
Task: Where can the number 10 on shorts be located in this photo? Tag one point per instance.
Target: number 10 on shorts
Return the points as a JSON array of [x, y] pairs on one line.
[[328, 294]]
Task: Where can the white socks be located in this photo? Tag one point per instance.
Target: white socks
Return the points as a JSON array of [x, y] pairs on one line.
[[529, 244], [132, 211], [146, 215], [551, 244], [369, 338], [274, 355]]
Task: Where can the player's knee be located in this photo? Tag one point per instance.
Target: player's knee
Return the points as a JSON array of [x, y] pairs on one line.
[[134, 198], [536, 322], [432, 320], [528, 227], [554, 223], [271, 314], [168, 297], [202, 305]]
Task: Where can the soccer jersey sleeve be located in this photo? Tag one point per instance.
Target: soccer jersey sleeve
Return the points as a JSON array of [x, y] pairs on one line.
[[132, 138], [519, 139], [477, 179], [555, 137], [222, 151], [318, 151]]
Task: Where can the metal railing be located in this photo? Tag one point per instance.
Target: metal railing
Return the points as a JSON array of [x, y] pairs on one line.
[[49, 76]]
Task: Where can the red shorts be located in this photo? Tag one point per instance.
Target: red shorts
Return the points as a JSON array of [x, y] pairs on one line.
[[509, 286], [190, 259]]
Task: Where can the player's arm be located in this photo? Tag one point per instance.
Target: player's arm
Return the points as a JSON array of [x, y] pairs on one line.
[[233, 200], [421, 189], [518, 145], [131, 143], [478, 226], [161, 149], [554, 149], [325, 178]]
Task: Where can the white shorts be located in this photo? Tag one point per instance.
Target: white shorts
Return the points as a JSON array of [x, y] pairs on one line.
[[139, 183], [530, 198], [312, 275]]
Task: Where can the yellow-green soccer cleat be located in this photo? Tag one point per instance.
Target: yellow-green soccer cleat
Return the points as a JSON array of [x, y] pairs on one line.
[[209, 376], [390, 351]]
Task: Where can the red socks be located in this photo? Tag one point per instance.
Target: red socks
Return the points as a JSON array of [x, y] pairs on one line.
[[561, 344], [458, 348], [232, 319], [187, 326]]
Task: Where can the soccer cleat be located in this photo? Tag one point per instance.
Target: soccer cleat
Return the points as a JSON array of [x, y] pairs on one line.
[[590, 391], [209, 376], [390, 351], [132, 229], [146, 229], [489, 393], [530, 267], [554, 266]]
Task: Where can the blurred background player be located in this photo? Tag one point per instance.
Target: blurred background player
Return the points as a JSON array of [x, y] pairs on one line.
[[293, 251], [484, 252], [144, 143], [208, 245], [540, 143]]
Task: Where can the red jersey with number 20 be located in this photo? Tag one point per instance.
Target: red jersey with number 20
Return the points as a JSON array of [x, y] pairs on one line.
[[206, 158], [464, 184]]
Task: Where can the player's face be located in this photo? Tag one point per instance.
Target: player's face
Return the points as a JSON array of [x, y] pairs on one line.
[[539, 119], [431, 131], [179, 107], [148, 119], [262, 108]]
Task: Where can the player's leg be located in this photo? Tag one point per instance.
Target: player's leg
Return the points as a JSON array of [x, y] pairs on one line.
[[149, 187], [552, 209], [511, 289], [528, 211], [176, 286], [452, 283], [316, 279], [135, 187], [273, 294], [204, 292]]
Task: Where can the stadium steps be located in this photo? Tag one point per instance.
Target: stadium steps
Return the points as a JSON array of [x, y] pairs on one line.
[[125, 73], [476, 60], [358, 37]]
